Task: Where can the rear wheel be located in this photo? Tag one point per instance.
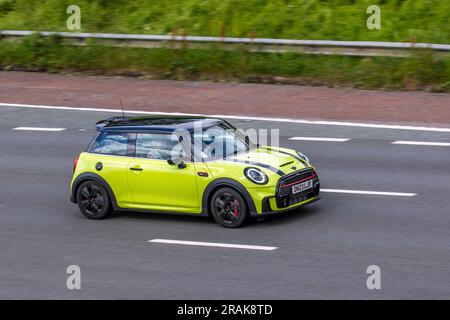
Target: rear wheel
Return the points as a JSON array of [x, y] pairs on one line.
[[228, 208], [93, 200]]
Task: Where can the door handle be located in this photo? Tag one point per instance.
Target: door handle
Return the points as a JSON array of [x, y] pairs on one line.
[[136, 169]]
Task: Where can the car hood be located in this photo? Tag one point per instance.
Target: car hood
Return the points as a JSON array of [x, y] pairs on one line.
[[281, 160]]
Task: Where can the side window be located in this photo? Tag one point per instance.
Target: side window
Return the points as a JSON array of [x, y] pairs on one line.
[[112, 143], [159, 146]]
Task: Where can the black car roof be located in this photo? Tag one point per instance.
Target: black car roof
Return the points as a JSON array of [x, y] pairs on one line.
[[154, 122]]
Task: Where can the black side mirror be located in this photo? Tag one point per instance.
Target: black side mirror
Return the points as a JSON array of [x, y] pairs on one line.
[[181, 165]]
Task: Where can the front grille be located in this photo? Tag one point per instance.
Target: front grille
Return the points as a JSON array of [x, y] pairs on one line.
[[284, 195]]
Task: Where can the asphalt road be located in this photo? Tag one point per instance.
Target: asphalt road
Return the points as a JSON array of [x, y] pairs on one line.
[[323, 250]]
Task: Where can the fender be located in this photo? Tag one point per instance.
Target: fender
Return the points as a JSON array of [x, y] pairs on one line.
[[226, 182], [92, 176]]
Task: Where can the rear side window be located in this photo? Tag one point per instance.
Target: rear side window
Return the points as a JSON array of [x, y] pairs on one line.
[[113, 143], [156, 146]]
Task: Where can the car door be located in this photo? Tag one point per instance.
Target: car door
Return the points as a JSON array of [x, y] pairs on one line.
[[108, 157], [157, 185]]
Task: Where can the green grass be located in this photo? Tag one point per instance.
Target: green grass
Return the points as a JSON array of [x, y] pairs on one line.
[[422, 71], [402, 20]]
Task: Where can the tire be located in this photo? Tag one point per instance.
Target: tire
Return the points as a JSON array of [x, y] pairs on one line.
[[93, 200], [228, 208]]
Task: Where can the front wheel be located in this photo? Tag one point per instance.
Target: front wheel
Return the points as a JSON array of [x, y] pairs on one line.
[[93, 200], [228, 208]]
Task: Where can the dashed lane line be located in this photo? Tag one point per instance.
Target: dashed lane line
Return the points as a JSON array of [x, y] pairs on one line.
[[423, 143], [213, 244], [318, 139], [39, 129], [374, 193]]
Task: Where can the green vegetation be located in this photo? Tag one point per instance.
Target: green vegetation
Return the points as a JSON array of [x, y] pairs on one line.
[[402, 20], [421, 71]]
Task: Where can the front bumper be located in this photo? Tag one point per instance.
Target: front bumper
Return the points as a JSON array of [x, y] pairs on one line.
[[267, 209], [282, 199]]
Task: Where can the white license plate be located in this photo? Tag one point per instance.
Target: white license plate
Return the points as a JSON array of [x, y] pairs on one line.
[[302, 186]]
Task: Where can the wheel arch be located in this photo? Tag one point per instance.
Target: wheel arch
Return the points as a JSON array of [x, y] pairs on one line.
[[94, 177], [214, 185]]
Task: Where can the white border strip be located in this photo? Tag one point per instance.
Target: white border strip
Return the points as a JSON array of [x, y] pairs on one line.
[[38, 129], [213, 244], [318, 139], [423, 143], [376, 193], [328, 123]]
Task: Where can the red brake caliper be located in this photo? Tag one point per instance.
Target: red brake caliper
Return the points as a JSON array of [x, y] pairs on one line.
[[236, 212]]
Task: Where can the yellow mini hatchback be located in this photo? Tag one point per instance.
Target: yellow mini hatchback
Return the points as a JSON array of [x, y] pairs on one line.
[[188, 165]]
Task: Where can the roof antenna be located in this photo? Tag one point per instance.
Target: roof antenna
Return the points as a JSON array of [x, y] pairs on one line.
[[121, 107]]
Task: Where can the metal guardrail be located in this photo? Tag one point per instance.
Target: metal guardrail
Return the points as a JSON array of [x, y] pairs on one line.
[[350, 48]]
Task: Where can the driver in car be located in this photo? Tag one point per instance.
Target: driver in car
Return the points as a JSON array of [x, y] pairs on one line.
[[153, 152]]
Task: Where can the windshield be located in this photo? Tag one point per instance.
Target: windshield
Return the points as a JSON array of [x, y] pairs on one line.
[[219, 142]]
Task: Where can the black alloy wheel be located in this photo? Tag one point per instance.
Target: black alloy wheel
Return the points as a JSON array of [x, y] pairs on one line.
[[228, 208], [93, 200]]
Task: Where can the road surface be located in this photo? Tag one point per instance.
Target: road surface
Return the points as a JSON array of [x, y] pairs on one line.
[[323, 250]]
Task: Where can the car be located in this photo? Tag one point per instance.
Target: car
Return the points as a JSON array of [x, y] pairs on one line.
[[188, 165]]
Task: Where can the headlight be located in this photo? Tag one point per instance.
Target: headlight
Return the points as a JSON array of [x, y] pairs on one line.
[[256, 176], [304, 157]]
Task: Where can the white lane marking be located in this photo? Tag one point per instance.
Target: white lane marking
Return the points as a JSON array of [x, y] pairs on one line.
[[328, 123], [39, 129], [376, 193], [423, 143], [318, 139], [213, 244]]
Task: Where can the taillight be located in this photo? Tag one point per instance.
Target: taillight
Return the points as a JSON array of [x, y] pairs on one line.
[[75, 162]]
